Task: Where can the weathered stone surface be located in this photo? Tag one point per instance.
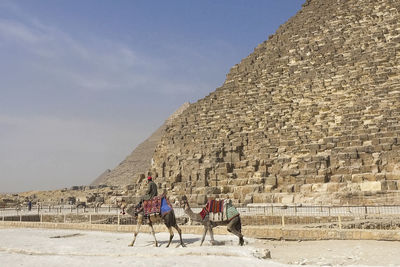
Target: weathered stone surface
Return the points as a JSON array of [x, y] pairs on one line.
[[313, 113]]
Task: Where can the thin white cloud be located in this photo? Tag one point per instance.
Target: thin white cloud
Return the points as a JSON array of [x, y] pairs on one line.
[[88, 64], [98, 64], [15, 31]]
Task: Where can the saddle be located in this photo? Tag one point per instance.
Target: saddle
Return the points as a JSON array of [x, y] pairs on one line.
[[212, 206], [158, 205], [223, 208]]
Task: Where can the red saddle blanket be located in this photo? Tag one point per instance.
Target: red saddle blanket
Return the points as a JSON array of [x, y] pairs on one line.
[[212, 206], [153, 206]]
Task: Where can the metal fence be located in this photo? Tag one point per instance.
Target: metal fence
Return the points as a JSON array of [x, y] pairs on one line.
[[382, 217], [272, 209], [320, 210]]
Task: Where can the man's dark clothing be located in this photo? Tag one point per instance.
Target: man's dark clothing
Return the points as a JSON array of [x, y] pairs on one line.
[[151, 191]]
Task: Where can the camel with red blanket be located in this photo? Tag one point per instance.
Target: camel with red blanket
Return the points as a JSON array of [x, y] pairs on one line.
[[231, 217], [153, 210]]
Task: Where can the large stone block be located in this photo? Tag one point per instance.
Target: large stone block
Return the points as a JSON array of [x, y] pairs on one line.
[[306, 188], [319, 187], [288, 199], [389, 185], [332, 187], [271, 180], [393, 176], [371, 186]]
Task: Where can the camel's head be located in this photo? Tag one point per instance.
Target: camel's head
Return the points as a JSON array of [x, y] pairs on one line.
[[184, 201], [130, 209]]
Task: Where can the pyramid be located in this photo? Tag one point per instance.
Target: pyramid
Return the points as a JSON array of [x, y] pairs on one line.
[[311, 116], [139, 161]]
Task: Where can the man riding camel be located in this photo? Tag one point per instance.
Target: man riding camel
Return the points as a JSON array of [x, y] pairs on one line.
[[151, 189], [150, 192]]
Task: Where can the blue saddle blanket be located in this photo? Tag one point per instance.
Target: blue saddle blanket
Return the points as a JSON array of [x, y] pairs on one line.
[[165, 206]]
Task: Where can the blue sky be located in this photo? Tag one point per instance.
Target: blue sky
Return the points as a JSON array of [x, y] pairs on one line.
[[84, 82]]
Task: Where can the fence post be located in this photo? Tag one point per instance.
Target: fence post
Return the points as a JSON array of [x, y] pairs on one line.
[[329, 211], [283, 220], [118, 218], [20, 217], [272, 209], [41, 218], [64, 218], [340, 222], [90, 218]]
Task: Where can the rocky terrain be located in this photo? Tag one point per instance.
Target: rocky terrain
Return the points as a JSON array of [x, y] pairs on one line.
[[89, 196]]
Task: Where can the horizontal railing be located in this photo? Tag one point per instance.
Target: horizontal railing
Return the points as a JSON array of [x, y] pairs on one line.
[[265, 209]]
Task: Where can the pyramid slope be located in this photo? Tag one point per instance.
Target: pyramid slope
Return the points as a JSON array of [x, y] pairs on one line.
[[139, 161], [313, 114], [101, 179]]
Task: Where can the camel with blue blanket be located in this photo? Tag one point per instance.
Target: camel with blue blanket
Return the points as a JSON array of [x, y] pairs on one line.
[[152, 210]]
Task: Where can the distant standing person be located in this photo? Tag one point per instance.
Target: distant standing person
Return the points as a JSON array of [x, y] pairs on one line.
[[29, 205]]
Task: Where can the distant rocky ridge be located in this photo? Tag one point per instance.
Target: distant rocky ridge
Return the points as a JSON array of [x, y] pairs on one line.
[[139, 161]]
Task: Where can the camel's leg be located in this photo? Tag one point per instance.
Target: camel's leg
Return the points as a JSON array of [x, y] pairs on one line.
[[234, 226], [171, 235], [139, 223], [211, 234], [153, 233], [180, 234], [204, 234]]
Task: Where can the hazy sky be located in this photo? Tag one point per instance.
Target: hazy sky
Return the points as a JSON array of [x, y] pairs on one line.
[[82, 83]]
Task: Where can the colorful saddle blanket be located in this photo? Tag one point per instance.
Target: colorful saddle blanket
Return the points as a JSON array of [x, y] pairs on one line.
[[212, 206], [156, 205], [222, 207], [215, 206], [230, 211]]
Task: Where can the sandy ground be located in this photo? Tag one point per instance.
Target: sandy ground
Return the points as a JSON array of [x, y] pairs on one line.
[[334, 252], [45, 247]]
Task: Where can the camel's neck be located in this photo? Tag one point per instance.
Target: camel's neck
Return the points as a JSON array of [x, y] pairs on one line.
[[189, 212]]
